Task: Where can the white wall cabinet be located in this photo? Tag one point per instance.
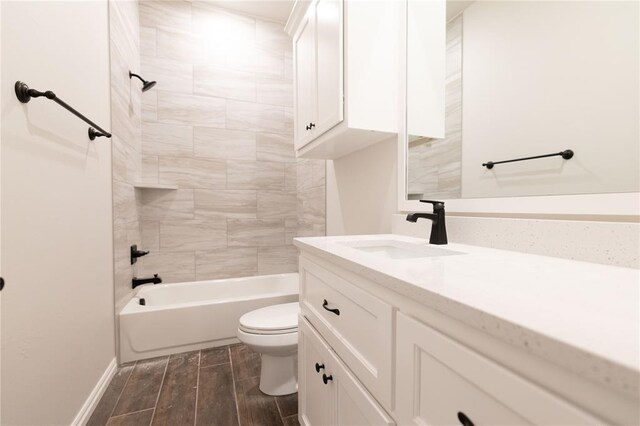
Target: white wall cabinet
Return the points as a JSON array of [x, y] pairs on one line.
[[329, 394], [345, 75]]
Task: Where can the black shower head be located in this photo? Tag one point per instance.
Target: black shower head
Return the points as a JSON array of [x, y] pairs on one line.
[[146, 85]]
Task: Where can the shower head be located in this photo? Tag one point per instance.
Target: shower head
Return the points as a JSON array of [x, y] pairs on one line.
[[146, 85]]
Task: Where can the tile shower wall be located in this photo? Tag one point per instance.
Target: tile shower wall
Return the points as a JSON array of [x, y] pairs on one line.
[[126, 125], [219, 126]]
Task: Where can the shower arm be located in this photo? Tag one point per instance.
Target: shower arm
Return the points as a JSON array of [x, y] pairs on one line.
[[131, 74]]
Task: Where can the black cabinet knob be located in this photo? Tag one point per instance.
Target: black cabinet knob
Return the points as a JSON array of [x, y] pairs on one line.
[[464, 420], [1, 283], [319, 367], [312, 125], [326, 380]]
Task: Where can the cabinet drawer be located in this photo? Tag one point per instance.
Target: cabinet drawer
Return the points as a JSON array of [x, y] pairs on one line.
[[357, 325], [440, 382], [329, 394]]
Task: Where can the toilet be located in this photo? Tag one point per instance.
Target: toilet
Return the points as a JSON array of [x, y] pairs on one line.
[[273, 333]]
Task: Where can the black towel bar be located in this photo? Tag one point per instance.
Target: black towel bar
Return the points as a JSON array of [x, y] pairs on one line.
[[567, 154], [24, 94]]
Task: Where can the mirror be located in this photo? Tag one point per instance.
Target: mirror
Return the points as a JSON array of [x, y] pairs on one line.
[[493, 81]]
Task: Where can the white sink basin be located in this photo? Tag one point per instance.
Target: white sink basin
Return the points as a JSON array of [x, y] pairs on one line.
[[391, 249]]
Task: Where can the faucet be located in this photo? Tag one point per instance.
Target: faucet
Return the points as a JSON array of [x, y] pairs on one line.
[[438, 228], [135, 282]]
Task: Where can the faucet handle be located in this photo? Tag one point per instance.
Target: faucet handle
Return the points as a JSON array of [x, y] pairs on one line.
[[436, 204]]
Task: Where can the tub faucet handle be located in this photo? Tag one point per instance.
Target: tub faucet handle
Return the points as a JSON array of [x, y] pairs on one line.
[[135, 253]]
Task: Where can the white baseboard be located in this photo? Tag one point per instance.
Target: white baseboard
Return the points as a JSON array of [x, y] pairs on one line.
[[94, 397]]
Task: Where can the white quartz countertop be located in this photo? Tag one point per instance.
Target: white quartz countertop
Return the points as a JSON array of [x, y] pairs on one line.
[[582, 316]]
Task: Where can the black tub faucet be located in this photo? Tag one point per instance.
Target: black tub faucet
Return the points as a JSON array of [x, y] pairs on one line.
[[135, 282], [438, 227]]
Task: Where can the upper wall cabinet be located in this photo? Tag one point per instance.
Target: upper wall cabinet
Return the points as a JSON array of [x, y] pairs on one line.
[[345, 75]]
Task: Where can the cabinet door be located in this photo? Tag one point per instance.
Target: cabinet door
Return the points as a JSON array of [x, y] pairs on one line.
[[329, 30], [304, 81], [329, 393], [441, 382], [317, 405], [354, 405]]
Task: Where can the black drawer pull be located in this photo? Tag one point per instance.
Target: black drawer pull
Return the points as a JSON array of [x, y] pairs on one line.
[[464, 420], [325, 304], [326, 380], [308, 127], [319, 367]]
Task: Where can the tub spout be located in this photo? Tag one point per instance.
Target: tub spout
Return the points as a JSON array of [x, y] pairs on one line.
[[135, 282]]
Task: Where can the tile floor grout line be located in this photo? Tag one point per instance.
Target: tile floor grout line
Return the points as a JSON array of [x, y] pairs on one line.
[[235, 390], [122, 391], [279, 410], [160, 390], [131, 412], [214, 365], [195, 414]]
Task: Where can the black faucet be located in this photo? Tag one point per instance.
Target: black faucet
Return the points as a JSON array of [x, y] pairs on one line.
[[135, 282], [438, 228]]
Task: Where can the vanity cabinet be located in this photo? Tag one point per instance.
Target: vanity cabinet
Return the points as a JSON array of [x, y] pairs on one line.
[[345, 75], [391, 360], [328, 393]]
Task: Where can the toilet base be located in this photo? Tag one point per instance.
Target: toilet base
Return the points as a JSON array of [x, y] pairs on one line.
[[279, 374]]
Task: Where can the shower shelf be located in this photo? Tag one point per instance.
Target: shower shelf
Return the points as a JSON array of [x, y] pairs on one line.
[[168, 186]]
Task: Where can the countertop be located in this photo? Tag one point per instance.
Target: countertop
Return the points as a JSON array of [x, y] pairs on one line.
[[582, 316]]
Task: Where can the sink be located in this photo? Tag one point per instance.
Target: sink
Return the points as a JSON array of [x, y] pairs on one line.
[[392, 249]]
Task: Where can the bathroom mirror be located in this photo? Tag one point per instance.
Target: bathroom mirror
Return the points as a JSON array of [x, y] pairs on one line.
[[492, 81]]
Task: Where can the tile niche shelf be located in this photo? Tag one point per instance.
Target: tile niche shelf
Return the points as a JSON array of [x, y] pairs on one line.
[[151, 185]]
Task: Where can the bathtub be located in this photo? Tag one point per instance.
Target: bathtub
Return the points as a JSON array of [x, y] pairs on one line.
[[195, 315]]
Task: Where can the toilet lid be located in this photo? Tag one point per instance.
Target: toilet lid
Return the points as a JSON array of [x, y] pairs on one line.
[[282, 317]]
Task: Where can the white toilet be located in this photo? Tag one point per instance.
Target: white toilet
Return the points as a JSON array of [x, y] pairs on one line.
[[273, 332]]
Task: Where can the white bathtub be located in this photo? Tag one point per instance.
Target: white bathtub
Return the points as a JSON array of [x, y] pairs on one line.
[[195, 315]]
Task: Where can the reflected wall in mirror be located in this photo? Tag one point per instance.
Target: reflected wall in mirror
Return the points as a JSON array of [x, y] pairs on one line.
[[522, 79]]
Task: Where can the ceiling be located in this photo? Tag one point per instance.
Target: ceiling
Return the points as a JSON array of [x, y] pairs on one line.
[[279, 10], [454, 7], [274, 10]]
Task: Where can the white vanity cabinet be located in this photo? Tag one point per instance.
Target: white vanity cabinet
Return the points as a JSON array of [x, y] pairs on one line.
[[395, 360], [345, 75]]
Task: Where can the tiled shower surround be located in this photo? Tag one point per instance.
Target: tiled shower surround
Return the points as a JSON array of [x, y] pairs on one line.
[[219, 126], [126, 143]]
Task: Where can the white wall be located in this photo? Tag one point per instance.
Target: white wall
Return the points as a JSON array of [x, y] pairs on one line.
[[57, 306], [361, 190], [542, 77]]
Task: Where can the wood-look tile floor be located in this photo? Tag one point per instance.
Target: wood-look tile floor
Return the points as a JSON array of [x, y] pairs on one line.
[[217, 386]]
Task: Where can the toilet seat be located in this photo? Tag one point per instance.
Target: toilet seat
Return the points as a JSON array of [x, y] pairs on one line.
[[276, 319]]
